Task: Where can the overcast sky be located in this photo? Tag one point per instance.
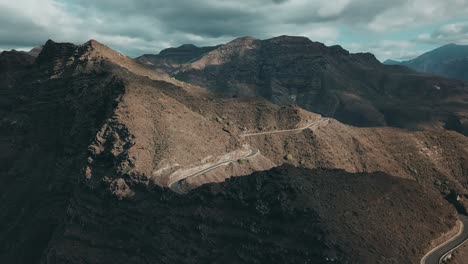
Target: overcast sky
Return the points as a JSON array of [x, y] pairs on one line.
[[397, 29]]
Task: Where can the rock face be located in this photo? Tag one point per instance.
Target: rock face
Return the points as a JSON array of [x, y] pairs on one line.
[[46, 126], [450, 61], [90, 140], [353, 88]]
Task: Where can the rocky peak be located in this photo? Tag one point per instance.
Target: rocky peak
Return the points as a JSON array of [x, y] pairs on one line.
[[184, 52], [295, 43], [92, 44], [35, 51], [338, 50], [284, 39], [57, 59], [367, 57], [242, 43], [53, 51], [183, 47]]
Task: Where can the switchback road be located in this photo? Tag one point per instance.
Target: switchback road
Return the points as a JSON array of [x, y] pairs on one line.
[[175, 186], [316, 123], [438, 254]]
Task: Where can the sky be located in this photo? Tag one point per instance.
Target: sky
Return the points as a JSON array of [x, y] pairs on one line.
[[391, 29]]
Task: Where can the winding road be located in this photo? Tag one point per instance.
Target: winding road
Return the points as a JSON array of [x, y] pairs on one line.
[[438, 254], [176, 186], [435, 256], [316, 123]]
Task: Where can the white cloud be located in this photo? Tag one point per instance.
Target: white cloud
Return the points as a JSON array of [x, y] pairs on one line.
[[448, 33], [388, 49], [418, 12], [326, 34], [136, 27]]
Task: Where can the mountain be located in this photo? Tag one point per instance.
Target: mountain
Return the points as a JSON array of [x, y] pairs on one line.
[[169, 58], [353, 88], [107, 160], [13, 58], [35, 51], [450, 61], [391, 62]]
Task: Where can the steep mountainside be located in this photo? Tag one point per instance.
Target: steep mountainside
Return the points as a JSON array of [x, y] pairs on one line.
[[285, 215], [92, 143], [353, 88], [450, 61]]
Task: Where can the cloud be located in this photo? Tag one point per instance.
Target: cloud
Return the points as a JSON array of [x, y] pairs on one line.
[[417, 12], [388, 49], [146, 26], [448, 33]]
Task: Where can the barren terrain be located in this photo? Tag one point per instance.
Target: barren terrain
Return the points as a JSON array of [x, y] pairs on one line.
[[91, 140]]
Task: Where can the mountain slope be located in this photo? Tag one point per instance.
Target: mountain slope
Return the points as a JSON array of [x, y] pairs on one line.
[[90, 141], [285, 215], [450, 61], [353, 88]]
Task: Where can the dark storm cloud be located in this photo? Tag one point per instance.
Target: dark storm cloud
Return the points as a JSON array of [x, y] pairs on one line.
[[143, 26], [448, 33], [215, 18], [17, 32], [204, 18]]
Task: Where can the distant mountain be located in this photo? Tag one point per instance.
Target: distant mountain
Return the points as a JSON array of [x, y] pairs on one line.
[[12, 59], [354, 88], [35, 51], [391, 62], [170, 57], [450, 61]]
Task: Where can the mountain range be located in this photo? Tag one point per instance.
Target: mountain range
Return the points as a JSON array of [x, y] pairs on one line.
[[353, 88], [255, 151], [450, 61]]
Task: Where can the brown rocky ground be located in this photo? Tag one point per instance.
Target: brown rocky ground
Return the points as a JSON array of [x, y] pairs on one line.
[[90, 136], [460, 255]]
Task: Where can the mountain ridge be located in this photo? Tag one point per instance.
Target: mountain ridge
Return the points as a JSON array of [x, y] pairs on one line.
[[450, 60], [354, 88]]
